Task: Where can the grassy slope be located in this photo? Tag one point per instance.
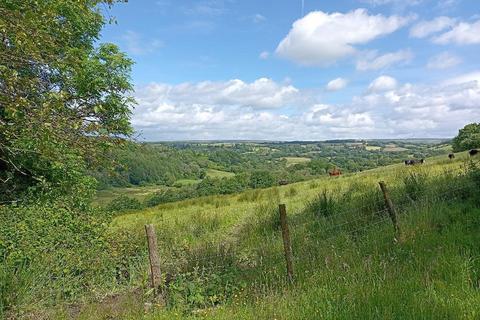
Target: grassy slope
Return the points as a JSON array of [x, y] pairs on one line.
[[434, 273], [213, 173]]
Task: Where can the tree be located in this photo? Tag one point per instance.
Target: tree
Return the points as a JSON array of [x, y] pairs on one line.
[[63, 100], [261, 179], [467, 138]]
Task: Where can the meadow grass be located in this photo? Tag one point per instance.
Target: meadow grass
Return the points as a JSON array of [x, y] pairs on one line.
[[213, 173], [296, 160], [223, 254]]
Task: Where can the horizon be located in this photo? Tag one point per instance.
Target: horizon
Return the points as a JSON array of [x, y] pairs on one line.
[[308, 141], [244, 70]]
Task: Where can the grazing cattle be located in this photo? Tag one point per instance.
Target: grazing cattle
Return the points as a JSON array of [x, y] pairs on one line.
[[451, 156], [413, 162], [473, 152], [335, 172], [282, 182]]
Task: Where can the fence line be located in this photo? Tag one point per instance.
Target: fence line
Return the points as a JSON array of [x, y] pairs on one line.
[[267, 277]]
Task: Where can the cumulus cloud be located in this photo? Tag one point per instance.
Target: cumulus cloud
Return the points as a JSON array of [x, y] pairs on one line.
[[463, 33], [425, 28], [443, 60], [382, 83], [321, 38], [217, 110], [373, 61], [260, 94], [337, 84]]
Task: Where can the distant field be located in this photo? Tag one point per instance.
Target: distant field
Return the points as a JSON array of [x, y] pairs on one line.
[[140, 193], [187, 182], [372, 148], [296, 160], [393, 148], [212, 173]]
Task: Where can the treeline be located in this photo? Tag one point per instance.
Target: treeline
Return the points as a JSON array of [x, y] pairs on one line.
[[144, 164], [215, 186], [165, 163]]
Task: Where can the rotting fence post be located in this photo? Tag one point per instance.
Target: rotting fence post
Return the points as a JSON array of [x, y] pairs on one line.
[[156, 275], [391, 209], [287, 246]]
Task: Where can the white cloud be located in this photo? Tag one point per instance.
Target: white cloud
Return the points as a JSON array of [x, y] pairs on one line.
[[463, 33], [264, 55], [217, 110], [260, 94], [382, 83], [464, 78], [137, 45], [337, 84], [372, 61], [321, 38], [443, 60], [425, 28]]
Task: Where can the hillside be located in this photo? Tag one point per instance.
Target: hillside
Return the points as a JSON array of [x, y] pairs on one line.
[[223, 256]]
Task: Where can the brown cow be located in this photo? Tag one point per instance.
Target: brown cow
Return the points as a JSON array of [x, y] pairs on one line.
[[335, 172]]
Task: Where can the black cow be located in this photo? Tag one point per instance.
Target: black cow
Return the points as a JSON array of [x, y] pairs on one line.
[[451, 156], [473, 152], [282, 182], [413, 162]]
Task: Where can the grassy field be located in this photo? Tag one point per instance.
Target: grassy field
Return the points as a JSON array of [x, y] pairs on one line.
[[212, 173], [296, 160], [224, 254], [103, 197]]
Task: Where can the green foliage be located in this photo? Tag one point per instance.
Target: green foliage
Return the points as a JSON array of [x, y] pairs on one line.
[[261, 179], [169, 195], [202, 289], [63, 100], [124, 203], [467, 138], [323, 205], [67, 244], [415, 184]]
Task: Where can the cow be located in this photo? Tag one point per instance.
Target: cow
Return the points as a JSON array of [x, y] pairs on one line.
[[473, 152], [282, 182], [451, 156], [413, 162], [335, 173]]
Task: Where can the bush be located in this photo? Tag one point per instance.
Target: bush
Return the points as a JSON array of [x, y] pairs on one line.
[[170, 195], [124, 203], [261, 179], [323, 205], [415, 185], [69, 244]]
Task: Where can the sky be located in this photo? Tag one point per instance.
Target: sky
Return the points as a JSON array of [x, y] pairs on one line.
[[300, 69]]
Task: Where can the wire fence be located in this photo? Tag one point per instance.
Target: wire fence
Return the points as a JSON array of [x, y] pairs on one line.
[[329, 224]]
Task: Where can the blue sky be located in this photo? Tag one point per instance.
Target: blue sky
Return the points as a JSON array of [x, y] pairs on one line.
[[308, 70]]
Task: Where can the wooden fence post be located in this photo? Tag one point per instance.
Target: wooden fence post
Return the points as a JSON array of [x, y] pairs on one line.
[[391, 209], [287, 246], [156, 275]]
